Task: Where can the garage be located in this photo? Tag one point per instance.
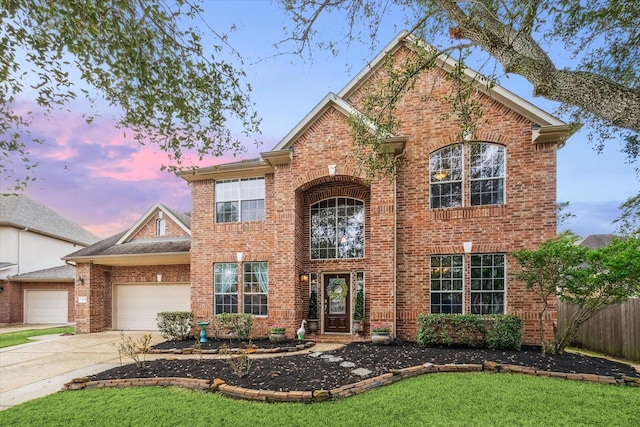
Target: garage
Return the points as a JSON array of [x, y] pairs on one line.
[[135, 306], [46, 306]]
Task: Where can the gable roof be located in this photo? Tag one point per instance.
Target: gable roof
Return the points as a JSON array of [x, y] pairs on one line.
[[182, 220], [546, 128], [119, 249], [21, 211]]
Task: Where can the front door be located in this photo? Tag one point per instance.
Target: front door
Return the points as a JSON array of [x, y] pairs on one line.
[[336, 303]]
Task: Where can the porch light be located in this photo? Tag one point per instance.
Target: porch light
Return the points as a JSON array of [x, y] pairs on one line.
[[304, 277], [467, 247]]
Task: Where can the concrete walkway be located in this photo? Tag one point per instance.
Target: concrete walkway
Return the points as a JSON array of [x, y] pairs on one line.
[[40, 368]]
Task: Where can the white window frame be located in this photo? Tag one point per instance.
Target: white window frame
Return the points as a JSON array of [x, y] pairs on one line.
[[248, 284], [436, 274], [239, 192], [216, 292], [487, 279], [336, 247]]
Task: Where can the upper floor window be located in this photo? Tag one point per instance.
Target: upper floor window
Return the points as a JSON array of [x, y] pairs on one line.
[[161, 227], [487, 174], [240, 200], [337, 228], [445, 166], [485, 181]]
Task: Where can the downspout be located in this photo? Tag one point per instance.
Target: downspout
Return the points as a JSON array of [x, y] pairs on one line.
[[395, 245], [20, 247]]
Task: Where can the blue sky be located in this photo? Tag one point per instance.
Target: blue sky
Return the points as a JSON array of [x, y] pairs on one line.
[[98, 177]]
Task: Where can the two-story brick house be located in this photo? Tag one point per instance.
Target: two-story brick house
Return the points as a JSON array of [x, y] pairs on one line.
[[435, 239]]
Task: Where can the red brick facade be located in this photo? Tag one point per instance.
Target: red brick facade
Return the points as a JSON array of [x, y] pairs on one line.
[[402, 231]]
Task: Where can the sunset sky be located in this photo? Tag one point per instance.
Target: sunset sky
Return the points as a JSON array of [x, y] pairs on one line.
[[97, 176]]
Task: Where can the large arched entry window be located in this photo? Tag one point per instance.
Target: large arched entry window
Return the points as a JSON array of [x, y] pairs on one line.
[[337, 228]]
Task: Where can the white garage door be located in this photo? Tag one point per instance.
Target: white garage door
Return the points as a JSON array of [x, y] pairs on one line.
[[135, 306], [46, 306]]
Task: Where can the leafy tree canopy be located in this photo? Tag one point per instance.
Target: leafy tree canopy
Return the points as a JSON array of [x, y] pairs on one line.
[[582, 54], [141, 56], [592, 279]]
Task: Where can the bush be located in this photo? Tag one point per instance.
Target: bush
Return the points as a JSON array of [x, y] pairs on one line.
[[239, 325], [493, 331], [505, 333], [175, 325]]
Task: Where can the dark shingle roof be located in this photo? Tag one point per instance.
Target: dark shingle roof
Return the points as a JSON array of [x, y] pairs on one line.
[[594, 241], [21, 211], [55, 274], [108, 246]]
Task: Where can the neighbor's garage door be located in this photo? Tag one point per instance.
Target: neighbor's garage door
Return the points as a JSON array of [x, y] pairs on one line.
[[46, 306], [135, 306]]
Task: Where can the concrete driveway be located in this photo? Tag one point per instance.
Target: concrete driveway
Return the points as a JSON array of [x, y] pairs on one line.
[[40, 368]]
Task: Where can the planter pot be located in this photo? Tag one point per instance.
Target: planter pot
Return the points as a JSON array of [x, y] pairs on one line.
[[312, 324], [277, 337], [357, 327], [381, 338]]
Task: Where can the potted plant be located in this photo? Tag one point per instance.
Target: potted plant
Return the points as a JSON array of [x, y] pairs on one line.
[[312, 321], [380, 334], [277, 333], [358, 312]]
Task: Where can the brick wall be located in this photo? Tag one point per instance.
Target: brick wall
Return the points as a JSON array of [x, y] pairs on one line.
[[96, 315], [525, 219]]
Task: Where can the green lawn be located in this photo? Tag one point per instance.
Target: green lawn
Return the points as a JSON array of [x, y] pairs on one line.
[[469, 399], [22, 337]]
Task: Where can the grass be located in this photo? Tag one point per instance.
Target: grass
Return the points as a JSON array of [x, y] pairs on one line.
[[22, 337], [434, 400]]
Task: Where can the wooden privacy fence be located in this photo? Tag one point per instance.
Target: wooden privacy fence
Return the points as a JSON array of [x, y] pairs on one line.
[[614, 331]]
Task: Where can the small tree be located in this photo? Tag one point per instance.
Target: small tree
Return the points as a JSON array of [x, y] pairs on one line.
[[313, 305], [590, 279], [358, 312]]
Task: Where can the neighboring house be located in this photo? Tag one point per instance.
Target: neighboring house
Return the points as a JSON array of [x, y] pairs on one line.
[[37, 286], [435, 239], [595, 241]]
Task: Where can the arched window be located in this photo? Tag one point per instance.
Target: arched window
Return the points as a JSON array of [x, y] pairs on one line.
[[337, 228], [484, 181], [161, 227]]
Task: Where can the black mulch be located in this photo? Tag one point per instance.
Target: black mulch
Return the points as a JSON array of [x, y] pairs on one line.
[[305, 373]]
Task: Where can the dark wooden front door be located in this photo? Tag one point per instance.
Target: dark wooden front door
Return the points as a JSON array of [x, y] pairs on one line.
[[336, 303]]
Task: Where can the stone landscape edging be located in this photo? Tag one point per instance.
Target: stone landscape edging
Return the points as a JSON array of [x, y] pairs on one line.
[[340, 392], [259, 350]]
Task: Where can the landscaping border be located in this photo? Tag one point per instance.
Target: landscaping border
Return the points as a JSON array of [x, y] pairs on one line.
[[251, 350], [360, 387]]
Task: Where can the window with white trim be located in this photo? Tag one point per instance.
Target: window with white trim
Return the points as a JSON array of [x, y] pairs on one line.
[[255, 287], [337, 228], [486, 174], [447, 283], [445, 166], [225, 282], [239, 200], [449, 180], [487, 283], [161, 227]]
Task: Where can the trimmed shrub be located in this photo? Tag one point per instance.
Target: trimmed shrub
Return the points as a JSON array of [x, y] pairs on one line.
[[505, 333], [236, 324], [492, 331], [175, 325]]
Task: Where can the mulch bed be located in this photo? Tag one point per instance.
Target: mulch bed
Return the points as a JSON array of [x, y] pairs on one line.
[[306, 373]]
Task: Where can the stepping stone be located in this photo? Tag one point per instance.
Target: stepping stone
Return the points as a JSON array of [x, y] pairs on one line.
[[327, 356], [315, 354], [335, 359], [348, 364], [361, 372]]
